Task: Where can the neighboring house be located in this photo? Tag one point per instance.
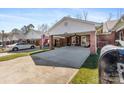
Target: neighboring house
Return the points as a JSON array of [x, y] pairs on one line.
[[74, 32], [16, 36], [35, 37], [105, 33], [109, 25], [5, 38], [29, 37], [119, 29], [111, 32], [106, 27], [114, 30]]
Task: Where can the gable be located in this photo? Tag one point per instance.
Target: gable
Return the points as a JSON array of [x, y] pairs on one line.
[[71, 26], [109, 25], [119, 25]]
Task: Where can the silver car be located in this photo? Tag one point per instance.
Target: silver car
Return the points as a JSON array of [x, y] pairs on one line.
[[19, 46]]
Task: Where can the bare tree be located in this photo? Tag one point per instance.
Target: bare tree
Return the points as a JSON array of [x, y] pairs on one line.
[[79, 16], [24, 29], [119, 13], [43, 28], [109, 16], [30, 27], [27, 28], [85, 14], [15, 30]]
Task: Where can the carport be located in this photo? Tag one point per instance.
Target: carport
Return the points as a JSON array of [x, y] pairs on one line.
[[92, 40], [73, 30]]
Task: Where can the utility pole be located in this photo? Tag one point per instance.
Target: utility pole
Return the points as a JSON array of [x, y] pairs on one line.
[[2, 38]]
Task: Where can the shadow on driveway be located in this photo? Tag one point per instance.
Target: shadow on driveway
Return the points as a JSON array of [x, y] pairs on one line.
[[71, 57], [44, 62]]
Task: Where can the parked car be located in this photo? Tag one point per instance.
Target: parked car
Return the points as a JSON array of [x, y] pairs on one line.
[[19, 46]]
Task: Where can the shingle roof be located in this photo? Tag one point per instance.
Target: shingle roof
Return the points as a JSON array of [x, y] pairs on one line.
[[33, 34], [82, 28], [19, 35], [109, 25], [75, 19], [16, 36]]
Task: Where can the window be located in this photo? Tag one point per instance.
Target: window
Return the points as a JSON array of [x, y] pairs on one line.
[[121, 35]]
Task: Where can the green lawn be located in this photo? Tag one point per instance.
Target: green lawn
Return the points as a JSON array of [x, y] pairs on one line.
[[88, 73], [16, 55]]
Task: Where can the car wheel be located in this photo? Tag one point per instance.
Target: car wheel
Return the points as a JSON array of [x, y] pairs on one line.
[[15, 49], [32, 47]]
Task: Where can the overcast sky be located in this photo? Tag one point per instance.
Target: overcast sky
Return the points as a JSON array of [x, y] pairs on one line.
[[17, 17]]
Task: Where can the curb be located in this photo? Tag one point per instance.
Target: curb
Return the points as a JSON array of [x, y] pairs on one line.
[[72, 76]]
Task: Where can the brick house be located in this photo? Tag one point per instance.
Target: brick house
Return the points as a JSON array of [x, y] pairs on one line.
[[119, 29], [110, 32], [73, 32]]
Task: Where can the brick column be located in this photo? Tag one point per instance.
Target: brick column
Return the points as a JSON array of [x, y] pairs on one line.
[[51, 42], [93, 46], [65, 41]]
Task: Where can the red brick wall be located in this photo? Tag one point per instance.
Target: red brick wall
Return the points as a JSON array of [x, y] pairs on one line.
[[105, 39], [93, 47]]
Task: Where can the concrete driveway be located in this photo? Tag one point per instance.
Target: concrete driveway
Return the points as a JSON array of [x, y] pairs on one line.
[[34, 69], [24, 71], [65, 57]]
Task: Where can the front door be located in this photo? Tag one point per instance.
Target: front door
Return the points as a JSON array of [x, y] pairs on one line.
[[76, 40], [83, 40], [68, 41]]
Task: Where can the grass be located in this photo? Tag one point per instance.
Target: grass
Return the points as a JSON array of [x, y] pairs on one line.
[[88, 73], [16, 55]]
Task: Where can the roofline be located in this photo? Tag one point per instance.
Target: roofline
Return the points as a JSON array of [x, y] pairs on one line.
[[112, 29], [83, 21]]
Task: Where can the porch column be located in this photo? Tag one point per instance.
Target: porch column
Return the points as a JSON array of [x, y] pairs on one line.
[[51, 42], [93, 45]]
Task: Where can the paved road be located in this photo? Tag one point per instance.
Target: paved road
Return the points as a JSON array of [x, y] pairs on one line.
[[24, 71], [66, 56]]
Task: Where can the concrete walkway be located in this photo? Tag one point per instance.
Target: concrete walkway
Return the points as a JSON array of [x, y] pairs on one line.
[[65, 56], [23, 70]]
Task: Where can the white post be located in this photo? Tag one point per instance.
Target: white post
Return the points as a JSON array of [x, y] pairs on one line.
[[2, 38]]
